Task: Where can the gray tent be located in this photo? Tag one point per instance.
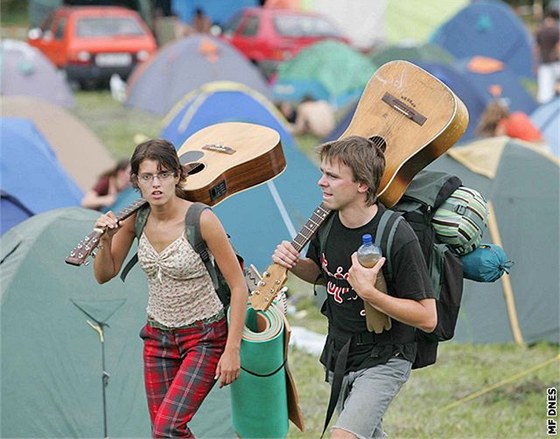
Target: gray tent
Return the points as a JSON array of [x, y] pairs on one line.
[[24, 70], [521, 183], [52, 355]]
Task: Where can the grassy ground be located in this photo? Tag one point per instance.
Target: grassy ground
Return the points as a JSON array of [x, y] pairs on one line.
[[516, 409]]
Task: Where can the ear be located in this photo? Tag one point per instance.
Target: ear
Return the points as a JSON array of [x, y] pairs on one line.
[[362, 188]]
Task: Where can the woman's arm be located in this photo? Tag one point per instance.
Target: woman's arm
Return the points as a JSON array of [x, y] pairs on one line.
[[218, 243], [113, 246]]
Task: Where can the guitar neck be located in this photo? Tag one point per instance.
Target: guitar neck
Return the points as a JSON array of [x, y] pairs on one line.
[[79, 254], [320, 214]]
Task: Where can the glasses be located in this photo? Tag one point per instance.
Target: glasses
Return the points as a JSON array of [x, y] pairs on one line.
[[161, 176]]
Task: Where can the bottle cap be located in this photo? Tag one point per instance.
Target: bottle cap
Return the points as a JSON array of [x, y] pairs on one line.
[[366, 239]]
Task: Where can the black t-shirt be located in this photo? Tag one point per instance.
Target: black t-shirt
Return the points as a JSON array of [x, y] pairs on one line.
[[345, 309]]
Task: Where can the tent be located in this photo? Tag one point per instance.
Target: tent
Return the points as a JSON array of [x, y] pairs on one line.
[[547, 118], [24, 70], [327, 70], [30, 171], [521, 183], [183, 65], [54, 387], [370, 23], [491, 29], [475, 88], [78, 149], [12, 212], [258, 218], [410, 52]]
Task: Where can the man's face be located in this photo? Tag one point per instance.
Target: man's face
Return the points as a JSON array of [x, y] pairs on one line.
[[338, 185]]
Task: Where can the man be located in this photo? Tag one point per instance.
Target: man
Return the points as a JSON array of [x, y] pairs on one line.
[[368, 368], [547, 48]]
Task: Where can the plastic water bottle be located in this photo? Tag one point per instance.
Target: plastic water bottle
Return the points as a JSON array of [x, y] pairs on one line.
[[368, 255]]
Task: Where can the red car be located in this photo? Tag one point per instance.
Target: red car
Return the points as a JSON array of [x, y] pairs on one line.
[[269, 36], [93, 42]]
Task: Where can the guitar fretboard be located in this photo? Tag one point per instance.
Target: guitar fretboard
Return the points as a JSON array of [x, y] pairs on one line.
[[320, 214]]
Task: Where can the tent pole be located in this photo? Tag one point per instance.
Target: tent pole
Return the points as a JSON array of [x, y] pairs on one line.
[[506, 282], [98, 327]]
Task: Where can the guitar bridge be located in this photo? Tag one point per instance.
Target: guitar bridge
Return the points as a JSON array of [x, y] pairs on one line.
[[403, 108], [219, 148]]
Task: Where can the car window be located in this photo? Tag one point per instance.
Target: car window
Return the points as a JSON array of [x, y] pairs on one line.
[[108, 27], [231, 26], [306, 26], [251, 26], [60, 26], [46, 25]]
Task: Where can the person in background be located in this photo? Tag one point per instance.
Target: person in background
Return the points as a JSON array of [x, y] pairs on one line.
[[201, 23], [187, 342], [497, 120], [370, 368], [547, 51], [287, 110], [316, 117], [108, 186]]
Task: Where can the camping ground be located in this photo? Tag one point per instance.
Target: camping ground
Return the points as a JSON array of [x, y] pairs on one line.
[[474, 391]]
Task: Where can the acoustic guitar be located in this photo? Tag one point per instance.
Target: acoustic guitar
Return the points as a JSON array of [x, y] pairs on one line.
[[409, 113], [220, 160]]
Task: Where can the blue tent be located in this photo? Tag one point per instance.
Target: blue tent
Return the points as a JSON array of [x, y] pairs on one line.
[[547, 119], [492, 29], [474, 89], [259, 218], [30, 170], [13, 212]]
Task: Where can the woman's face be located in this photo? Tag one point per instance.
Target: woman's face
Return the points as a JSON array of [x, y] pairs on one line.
[[156, 183]]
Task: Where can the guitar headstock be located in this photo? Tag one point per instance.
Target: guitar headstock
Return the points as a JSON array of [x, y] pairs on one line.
[[273, 279], [79, 254]]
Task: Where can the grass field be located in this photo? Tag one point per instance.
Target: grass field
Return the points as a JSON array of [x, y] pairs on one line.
[[511, 381]]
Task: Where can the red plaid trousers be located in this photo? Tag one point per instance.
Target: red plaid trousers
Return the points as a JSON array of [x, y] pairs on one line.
[[179, 369]]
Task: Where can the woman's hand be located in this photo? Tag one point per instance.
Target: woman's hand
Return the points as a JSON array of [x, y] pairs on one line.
[[229, 367], [109, 223]]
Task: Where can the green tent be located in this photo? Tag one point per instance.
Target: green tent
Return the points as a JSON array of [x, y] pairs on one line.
[[328, 70], [411, 52], [521, 183], [53, 362]]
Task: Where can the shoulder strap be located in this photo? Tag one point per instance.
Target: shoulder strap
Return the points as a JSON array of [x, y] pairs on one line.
[[139, 224], [323, 232], [385, 235], [194, 236]]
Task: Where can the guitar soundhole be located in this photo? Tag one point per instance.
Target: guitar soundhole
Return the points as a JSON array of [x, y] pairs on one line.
[[195, 168], [379, 142]]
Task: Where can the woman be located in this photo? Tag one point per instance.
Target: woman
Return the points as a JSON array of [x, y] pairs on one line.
[[108, 186], [187, 344]]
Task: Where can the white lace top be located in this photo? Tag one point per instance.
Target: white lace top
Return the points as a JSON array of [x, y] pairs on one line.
[[180, 288]]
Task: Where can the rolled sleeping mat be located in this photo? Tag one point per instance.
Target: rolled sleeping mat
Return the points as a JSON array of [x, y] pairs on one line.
[[259, 399]]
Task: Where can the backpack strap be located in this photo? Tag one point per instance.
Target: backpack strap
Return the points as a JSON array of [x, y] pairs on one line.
[[385, 235], [139, 224], [322, 235], [192, 228]]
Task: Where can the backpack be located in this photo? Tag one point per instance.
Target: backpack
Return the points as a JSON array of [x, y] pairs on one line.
[[425, 194], [192, 230]]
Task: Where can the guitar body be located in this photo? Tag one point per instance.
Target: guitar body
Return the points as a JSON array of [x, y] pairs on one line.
[[414, 115], [220, 160], [229, 157]]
